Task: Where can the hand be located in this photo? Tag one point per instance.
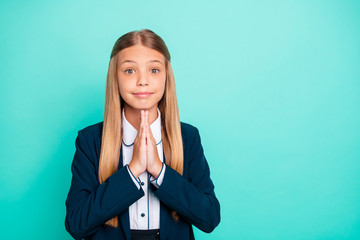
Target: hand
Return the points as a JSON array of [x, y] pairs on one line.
[[154, 163], [138, 163]]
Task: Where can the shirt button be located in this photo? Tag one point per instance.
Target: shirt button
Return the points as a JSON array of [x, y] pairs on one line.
[[142, 183], [143, 215]]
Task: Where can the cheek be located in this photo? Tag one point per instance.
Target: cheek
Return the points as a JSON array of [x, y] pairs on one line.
[[162, 82], [126, 82], [123, 88], [161, 86]]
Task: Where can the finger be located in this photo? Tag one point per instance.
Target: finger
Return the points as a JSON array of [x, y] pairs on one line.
[[146, 114], [152, 137], [147, 133], [138, 135], [143, 133], [145, 136], [142, 122], [146, 122]]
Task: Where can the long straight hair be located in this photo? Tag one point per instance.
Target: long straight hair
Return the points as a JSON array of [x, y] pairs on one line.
[[112, 125]]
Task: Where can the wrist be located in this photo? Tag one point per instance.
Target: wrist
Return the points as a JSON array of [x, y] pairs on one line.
[[135, 171], [156, 169]]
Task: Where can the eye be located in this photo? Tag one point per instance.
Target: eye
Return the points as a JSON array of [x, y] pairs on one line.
[[129, 69], [156, 70]]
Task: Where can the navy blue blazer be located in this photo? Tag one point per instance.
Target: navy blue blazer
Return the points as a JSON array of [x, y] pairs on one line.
[[90, 204]]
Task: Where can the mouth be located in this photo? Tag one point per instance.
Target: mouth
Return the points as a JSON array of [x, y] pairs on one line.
[[142, 94]]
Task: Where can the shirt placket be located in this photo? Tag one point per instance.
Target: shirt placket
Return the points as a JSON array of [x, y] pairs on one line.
[[143, 206]]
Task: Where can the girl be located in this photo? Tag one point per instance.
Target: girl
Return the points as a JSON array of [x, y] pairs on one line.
[[141, 173]]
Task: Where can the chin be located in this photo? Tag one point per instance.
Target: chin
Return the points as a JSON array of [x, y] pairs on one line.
[[144, 106]]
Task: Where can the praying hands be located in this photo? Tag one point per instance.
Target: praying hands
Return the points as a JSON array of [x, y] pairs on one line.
[[145, 154]]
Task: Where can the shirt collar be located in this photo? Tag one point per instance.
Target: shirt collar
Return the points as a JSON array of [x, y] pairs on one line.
[[129, 132]]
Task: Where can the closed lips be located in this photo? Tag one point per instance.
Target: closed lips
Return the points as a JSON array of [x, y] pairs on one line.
[[143, 93]]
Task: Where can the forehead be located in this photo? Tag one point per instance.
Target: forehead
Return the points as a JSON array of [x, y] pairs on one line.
[[139, 54]]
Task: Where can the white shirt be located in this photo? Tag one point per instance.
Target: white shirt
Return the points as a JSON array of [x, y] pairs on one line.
[[145, 212]]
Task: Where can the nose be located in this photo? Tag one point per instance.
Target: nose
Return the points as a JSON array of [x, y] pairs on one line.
[[142, 80]]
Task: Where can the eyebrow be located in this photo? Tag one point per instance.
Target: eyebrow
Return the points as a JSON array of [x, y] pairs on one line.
[[135, 62]]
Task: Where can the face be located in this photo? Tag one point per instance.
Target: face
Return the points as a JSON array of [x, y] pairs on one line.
[[141, 74]]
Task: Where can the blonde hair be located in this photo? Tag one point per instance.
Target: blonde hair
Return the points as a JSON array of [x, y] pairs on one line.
[[112, 128]]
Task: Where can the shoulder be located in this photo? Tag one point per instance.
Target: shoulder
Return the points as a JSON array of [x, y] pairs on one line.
[[96, 129], [190, 135], [93, 130], [193, 150], [188, 130]]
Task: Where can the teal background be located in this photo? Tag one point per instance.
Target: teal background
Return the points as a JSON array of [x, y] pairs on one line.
[[273, 87]]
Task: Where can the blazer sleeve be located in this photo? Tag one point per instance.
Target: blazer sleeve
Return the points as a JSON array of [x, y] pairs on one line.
[[192, 197], [90, 204]]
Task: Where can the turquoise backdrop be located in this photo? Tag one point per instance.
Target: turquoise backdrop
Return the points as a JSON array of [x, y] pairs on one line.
[[273, 87]]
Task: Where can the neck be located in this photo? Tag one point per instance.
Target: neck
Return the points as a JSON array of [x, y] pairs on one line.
[[133, 115]]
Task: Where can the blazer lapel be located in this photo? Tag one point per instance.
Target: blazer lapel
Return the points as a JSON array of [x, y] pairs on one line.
[[164, 214], [163, 221], [125, 224], [124, 217]]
